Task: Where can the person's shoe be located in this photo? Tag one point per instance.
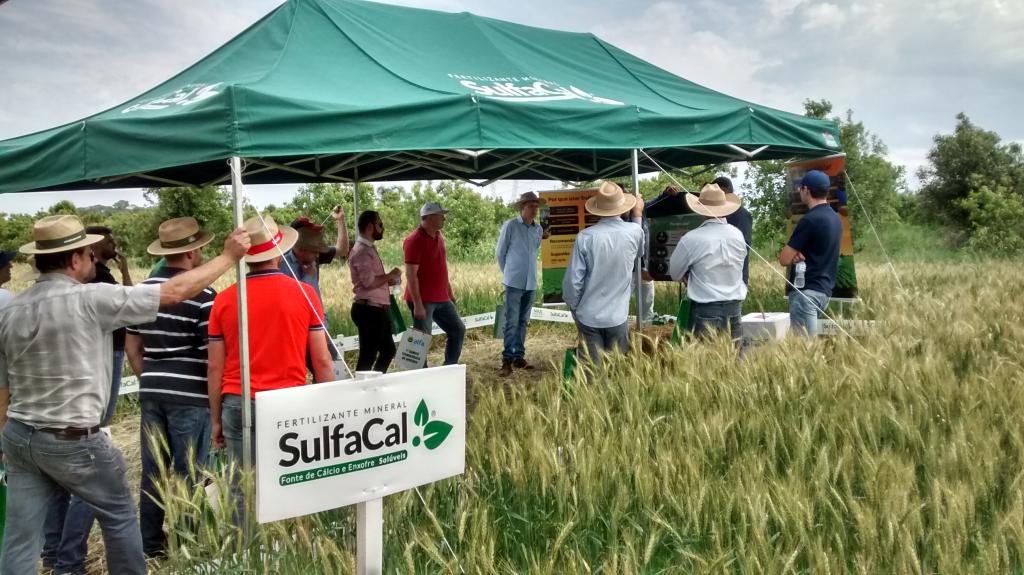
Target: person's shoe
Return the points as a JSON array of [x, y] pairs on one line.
[[521, 364], [506, 368]]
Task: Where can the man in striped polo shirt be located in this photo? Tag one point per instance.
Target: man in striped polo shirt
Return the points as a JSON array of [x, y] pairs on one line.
[[170, 357]]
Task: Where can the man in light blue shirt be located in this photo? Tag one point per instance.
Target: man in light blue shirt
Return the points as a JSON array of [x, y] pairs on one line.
[[516, 252], [598, 280], [710, 260]]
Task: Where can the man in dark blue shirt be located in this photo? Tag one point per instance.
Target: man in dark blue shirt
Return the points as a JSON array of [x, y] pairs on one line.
[[741, 220], [815, 241]]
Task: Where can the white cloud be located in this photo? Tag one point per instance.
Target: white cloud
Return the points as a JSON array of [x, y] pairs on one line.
[[822, 16]]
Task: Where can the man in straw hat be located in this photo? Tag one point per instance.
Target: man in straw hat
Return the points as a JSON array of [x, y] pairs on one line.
[[597, 282], [69, 520], [815, 242], [169, 356], [310, 252], [55, 366], [741, 219], [710, 260], [285, 320], [518, 244]]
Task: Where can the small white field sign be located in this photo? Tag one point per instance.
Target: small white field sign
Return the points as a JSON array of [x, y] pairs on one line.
[[329, 445]]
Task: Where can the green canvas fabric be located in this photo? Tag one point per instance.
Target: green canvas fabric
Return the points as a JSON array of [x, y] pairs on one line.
[[356, 86]]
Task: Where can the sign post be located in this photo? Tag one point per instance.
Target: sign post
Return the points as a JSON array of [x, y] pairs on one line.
[[369, 523]]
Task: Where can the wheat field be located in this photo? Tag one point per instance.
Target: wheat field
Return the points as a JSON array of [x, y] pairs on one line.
[[899, 452]]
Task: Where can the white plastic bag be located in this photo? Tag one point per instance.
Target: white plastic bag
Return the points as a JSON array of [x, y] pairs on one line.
[[412, 349]]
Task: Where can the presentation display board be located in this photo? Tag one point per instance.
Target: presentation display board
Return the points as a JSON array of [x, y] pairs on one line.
[[564, 214], [668, 220], [834, 167]]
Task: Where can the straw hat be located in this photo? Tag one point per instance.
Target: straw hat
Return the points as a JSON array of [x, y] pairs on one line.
[[528, 197], [267, 245], [713, 202], [178, 236], [610, 201], [55, 234]]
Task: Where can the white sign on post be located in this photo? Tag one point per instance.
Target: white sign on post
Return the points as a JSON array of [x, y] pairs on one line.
[[329, 445]]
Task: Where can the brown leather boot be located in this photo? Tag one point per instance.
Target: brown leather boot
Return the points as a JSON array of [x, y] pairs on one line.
[[506, 368], [521, 364]]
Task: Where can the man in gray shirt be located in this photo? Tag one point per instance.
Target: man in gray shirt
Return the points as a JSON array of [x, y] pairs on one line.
[[55, 369]]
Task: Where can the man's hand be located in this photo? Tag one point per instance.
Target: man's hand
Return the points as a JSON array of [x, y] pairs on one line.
[[122, 262], [395, 276], [419, 312], [217, 435], [338, 213], [638, 208], [671, 191], [237, 244], [646, 276]]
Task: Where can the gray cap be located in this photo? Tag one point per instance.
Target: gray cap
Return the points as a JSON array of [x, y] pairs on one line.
[[431, 208]]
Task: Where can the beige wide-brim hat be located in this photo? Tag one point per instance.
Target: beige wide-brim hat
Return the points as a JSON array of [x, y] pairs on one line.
[[713, 202], [178, 236], [268, 241], [55, 234], [528, 197], [610, 201]]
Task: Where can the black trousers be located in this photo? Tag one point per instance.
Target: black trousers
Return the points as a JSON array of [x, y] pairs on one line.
[[376, 348]]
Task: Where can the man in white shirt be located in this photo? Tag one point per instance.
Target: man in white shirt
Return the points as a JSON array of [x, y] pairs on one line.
[[710, 260], [5, 276]]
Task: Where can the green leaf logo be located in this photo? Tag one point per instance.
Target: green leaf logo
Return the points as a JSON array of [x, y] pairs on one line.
[[436, 432], [422, 414]]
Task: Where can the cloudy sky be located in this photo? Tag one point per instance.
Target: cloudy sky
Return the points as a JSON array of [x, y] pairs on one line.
[[905, 67]]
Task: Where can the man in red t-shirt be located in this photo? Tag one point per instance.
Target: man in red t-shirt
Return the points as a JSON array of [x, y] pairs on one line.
[[285, 319], [429, 295]]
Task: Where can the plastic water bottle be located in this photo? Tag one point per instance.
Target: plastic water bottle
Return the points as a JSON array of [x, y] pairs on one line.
[[798, 276]]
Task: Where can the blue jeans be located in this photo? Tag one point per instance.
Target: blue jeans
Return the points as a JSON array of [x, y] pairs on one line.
[[185, 430], [69, 520], [594, 340], [518, 305], [708, 318], [40, 469], [231, 423], [803, 311], [447, 318]]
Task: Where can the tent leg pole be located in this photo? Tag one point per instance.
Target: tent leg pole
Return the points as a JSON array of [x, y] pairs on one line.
[[243, 327], [638, 278]]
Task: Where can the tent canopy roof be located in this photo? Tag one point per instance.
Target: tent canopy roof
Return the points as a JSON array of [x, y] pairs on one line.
[[339, 90]]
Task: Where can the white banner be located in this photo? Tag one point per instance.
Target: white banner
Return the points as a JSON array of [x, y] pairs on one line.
[[329, 445]]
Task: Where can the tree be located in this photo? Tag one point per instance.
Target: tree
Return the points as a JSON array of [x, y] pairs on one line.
[[996, 216], [874, 183], [955, 159]]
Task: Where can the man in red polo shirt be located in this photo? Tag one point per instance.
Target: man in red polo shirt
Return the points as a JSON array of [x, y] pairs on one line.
[[285, 319], [429, 295]]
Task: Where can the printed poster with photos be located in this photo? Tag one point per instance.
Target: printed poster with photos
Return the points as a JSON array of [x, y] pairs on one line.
[[834, 167]]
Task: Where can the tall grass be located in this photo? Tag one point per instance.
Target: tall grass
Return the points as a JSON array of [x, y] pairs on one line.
[[902, 452]]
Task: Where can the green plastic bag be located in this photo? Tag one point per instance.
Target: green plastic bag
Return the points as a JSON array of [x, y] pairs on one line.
[[569, 363], [682, 320], [397, 319], [499, 322]]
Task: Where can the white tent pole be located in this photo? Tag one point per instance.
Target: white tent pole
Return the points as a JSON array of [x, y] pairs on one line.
[[369, 523], [243, 321], [639, 255]]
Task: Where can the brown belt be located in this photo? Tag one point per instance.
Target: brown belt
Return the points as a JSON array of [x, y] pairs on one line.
[[372, 303], [71, 433]]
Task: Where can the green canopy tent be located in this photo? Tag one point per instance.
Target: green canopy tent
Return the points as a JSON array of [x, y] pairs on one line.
[[347, 91]]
